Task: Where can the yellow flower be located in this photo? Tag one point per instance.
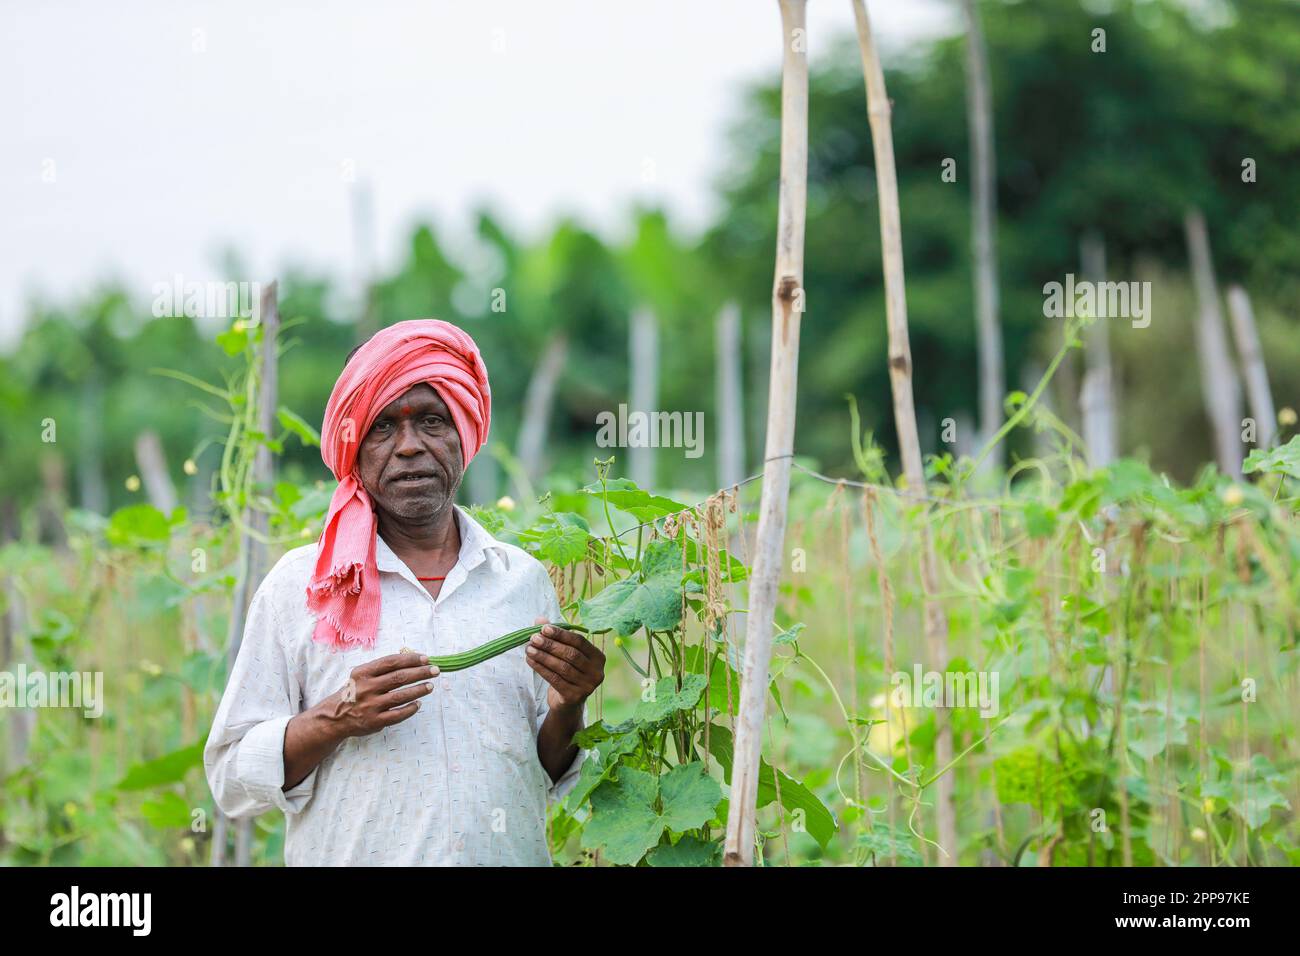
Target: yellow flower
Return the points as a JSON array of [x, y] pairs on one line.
[[1198, 834], [1233, 496], [1286, 416], [150, 668], [506, 503], [1207, 805], [187, 845], [190, 467], [238, 325], [133, 483], [69, 809]]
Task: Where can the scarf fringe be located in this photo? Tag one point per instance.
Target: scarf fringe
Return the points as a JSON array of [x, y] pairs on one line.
[[337, 637], [332, 583]]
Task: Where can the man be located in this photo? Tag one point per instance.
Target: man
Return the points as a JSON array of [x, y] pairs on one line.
[[372, 755]]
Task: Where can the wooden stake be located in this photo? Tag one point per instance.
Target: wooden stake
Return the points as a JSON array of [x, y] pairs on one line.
[[730, 398], [984, 215], [1253, 368], [1097, 397], [787, 303], [152, 462], [643, 361], [539, 399], [253, 558], [1218, 380], [900, 380]]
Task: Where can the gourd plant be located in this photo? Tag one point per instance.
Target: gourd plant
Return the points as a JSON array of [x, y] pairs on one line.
[[653, 787]]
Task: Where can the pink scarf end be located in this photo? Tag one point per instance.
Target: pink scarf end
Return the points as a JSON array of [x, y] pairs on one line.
[[346, 617], [331, 633]]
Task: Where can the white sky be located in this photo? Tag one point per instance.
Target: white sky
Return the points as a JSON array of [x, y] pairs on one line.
[[173, 130]]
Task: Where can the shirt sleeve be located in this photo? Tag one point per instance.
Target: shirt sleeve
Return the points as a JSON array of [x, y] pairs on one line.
[[244, 755], [561, 787]]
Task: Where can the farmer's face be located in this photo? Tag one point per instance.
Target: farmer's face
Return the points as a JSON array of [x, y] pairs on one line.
[[410, 461]]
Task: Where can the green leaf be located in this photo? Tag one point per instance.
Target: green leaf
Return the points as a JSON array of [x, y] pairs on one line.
[[492, 520], [170, 768], [1258, 804], [601, 762], [689, 796], [668, 700], [1283, 460], [690, 850], [654, 602], [880, 840], [204, 672], [1151, 733], [795, 797], [167, 811], [233, 341], [789, 635], [1040, 520], [717, 682], [624, 823], [562, 544], [293, 422], [623, 494], [137, 525]]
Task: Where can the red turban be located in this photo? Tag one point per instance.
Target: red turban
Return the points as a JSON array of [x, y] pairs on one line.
[[344, 589]]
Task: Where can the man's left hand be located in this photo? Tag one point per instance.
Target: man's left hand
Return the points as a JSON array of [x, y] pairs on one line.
[[571, 664]]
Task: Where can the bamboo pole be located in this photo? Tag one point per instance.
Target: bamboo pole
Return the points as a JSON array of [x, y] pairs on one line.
[[20, 720], [730, 398], [91, 485], [539, 400], [53, 504], [1097, 397], [643, 363], [900, 380], [151, 459], [787, 298], [253, 561], [1218, 380], [1253, 368], [984, 223]]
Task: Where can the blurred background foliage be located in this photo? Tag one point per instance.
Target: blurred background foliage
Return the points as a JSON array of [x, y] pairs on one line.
[[1121, 142]]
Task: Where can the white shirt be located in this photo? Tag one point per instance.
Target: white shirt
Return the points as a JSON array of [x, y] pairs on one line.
[[459, 783]]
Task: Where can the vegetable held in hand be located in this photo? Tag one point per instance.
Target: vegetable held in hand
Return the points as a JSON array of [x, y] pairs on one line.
[[484, 652]]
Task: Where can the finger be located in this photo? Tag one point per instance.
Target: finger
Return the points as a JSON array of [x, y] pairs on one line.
[[402, 696], [390, 717], [384, 683], [558, 665], [392, 662], [557, 648], [570, 638], [558, 681]]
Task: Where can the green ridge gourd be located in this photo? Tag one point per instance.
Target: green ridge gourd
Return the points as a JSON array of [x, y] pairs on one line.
[[495, 647]]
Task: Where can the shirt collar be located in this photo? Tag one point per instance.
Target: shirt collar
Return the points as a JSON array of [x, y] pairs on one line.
[[476, 546]]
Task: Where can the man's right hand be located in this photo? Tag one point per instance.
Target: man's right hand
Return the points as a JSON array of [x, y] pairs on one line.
[[378, 694]]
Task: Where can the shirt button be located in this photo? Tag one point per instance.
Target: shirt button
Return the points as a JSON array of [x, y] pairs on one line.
[[460, 845], [455, 768]]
